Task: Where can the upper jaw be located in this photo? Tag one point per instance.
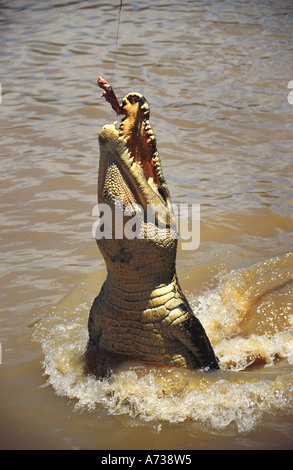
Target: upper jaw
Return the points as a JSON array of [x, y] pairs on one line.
[[132, 98]]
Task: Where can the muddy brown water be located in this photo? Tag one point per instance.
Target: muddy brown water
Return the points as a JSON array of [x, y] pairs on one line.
[[215, 74]]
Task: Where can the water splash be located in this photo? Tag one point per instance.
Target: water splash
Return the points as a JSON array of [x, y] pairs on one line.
[[236, 397]]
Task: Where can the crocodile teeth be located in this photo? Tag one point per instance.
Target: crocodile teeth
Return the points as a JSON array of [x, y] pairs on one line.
[[157, 163], [145, 109], [122, 139]]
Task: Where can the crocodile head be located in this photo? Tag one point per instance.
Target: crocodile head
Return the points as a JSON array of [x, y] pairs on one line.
[[130, 167]]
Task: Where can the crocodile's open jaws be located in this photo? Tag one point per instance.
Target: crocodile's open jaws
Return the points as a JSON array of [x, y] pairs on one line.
[[140, 312]]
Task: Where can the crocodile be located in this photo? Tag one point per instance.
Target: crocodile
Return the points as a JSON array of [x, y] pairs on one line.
[[141, 312]]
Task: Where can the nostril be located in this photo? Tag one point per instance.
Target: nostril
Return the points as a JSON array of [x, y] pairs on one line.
[[133, 99]]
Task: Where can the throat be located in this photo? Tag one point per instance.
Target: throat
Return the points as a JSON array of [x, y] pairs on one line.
[[139, 295]]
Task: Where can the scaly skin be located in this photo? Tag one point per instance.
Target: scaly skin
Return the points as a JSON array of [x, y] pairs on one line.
[[140, 312]]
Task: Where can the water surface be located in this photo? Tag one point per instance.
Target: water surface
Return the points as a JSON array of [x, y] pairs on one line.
[[215, 74]]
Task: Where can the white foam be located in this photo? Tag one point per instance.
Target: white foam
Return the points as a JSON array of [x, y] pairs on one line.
[[231, 398]]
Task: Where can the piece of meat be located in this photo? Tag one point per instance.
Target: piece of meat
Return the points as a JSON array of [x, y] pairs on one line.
[[109, 95]]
